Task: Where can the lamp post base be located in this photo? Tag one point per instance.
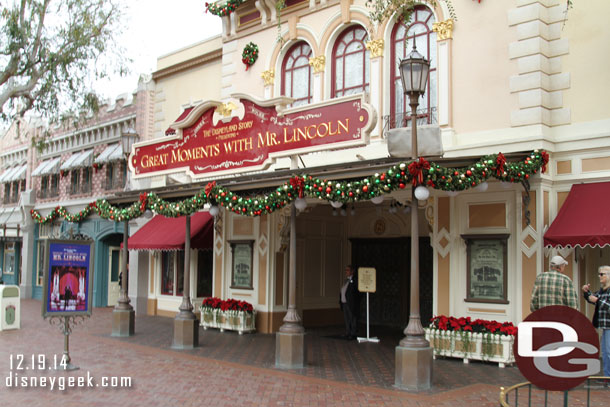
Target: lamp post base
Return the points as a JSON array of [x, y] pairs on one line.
[[290, 350], [186, 332], [123, 322], [413, 368]]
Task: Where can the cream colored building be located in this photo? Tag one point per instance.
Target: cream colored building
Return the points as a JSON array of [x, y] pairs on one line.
[[507, 76]]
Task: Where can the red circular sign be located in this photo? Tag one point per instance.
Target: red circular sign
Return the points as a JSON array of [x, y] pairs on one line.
[[557, 348]]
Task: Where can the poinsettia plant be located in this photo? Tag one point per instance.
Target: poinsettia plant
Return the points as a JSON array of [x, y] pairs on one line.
[[466, 324], [214, 303]]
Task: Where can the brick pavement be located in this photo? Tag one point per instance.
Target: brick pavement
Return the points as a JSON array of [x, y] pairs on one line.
[[233, 370]]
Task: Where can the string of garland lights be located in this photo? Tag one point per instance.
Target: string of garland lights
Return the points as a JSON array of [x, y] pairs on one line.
[[223, 9], [418, 173]]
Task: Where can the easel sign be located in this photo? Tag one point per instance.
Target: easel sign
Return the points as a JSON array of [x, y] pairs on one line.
[[367, 283], [68, 278], [367, 279]]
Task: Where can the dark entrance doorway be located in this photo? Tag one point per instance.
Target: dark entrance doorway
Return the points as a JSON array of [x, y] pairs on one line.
[[389, 306]]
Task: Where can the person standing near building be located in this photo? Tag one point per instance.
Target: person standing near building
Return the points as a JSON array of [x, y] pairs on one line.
[[553, 287], [601, 316], [349, 300]]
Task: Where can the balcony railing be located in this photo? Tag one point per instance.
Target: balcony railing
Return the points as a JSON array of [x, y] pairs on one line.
[[398, 120]]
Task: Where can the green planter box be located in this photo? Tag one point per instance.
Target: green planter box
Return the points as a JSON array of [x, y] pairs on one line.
[[239, 321], [472, 346]]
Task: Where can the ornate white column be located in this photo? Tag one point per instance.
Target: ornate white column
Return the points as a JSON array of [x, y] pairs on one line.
[[269, 78], [375, 48], [317, 63]]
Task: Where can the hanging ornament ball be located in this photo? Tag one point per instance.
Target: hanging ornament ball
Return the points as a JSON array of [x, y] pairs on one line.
[[214, 210], [483, 187], [377, 200]]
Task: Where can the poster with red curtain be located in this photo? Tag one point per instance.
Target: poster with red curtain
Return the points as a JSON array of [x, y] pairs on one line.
[[68, 278]]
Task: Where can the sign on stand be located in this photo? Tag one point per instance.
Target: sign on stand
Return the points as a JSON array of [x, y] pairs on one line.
[[367, 283]]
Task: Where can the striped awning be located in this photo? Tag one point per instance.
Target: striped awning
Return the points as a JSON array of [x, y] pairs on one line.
[[76, 160], [17, 174], [6, 174], [114, 152], [47, 167]]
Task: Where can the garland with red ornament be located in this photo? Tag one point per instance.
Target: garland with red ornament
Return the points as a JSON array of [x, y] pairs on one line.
[[223, 8], [418, 172]]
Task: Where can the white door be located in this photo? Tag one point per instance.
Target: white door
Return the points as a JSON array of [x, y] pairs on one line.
[[114, 263]]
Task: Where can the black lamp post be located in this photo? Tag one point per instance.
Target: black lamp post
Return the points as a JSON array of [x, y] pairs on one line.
[[124, 317], [414, 355]]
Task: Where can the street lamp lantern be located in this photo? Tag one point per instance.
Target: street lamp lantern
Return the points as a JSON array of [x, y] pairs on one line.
[[414, 73], [128, 137], [414, 355]]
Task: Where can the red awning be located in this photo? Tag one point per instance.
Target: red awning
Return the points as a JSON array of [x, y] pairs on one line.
[[584, 218], [161, 233], [170, 130]]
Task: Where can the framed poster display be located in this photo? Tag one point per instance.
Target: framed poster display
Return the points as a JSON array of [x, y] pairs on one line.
[[367, 281], [241, 266], [68, 278], [486, 268]]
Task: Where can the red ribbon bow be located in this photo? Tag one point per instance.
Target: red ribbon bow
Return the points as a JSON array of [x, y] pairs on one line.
[[416, 170], [209, 187], [545, 160], [500, 161], [298, 184], [143, 199]]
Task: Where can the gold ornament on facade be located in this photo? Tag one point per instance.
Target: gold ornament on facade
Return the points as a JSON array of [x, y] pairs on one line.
[[268, 76], [443, 29], [375, 47], [318, 63], [225, 109]]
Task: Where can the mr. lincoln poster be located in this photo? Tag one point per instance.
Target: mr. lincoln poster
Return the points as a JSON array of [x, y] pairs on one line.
[[68, 277]]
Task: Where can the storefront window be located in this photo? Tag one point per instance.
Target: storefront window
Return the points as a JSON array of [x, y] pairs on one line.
[[9, 258], [204, 273], [167, 273]]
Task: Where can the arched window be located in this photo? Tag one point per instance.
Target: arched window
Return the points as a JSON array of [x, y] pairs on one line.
[[418, 32], [297, 75], [350, 69]]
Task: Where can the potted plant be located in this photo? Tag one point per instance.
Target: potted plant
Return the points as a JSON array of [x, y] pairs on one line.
[[477, 339]]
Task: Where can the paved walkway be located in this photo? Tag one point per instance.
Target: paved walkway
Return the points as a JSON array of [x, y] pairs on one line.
[[232, 370]]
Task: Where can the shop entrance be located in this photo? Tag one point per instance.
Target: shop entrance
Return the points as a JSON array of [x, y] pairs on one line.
[[389, 306]]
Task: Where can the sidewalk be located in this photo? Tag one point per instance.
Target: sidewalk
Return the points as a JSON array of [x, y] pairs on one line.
[[231, 370]]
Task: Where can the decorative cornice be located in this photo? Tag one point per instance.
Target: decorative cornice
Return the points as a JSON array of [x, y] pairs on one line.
[[318, 63], [375, 47], [188, 64], [443, 29], [268, 77]]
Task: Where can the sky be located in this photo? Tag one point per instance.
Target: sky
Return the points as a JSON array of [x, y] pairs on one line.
[[155, 28]]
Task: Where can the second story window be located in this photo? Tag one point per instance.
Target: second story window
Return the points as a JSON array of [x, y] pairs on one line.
[[86, 180], [75, 181], [297, 75], [350, 69], [7, 192], [116, 175]]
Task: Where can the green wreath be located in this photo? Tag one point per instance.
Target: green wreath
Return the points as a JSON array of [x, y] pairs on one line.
[[250, 54]]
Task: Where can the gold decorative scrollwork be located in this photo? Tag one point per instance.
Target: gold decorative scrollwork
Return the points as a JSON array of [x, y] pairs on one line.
[[318, 63], [268, 76], [225, 109], [443, 29], [375, 47]]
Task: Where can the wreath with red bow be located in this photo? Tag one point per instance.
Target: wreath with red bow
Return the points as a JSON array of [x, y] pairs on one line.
[[250, 54]]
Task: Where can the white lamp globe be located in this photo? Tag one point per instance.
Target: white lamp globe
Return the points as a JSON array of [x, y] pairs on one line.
[[214, 210], [300, 204], [422, 193], [377, 200], [452, 193], [336, 204]]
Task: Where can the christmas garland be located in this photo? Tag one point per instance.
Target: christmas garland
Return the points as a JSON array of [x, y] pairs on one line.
[[417, 172], [249, 55], [223, 9]]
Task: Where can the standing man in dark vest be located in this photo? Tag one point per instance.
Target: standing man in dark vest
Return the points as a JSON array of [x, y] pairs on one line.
[[349, 299]]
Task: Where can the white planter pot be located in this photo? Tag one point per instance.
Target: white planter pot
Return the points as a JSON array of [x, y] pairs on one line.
[[232, 320], [472, 346]]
